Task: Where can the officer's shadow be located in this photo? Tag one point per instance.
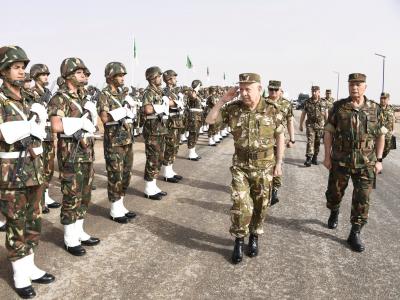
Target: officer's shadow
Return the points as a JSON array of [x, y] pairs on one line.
[[298, 162]]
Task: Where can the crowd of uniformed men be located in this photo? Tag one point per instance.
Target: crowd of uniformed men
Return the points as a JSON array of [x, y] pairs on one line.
[[37, 126]]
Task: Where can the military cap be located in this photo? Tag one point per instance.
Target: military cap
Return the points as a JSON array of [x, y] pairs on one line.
[[249, 78], [357, 77], [328, 91], [315, 88], [274, 84], [10, 55], [385, 95], [167, 75], [152, 72], [38, 69]]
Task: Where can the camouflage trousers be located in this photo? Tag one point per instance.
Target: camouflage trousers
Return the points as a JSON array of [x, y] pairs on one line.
[[49, 152], [59, 159], [213, 129], [154, 149], [313, 140], [277, 182], [362, 182], [251, 194], [193, 137], [76, 187], [22, 209], [119, 161], [171, 145], [388, 146]]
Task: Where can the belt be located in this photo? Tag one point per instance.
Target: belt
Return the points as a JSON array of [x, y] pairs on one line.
[[174, 114], [196, 110], [112, 123], [245, 155], [64, 136], [153, 117], [8, 155]]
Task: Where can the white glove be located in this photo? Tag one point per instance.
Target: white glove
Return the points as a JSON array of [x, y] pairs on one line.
[[129, 113], [37, 130], [130, 102], [41, 111], [91, 107], [72, 125], [180, 96], [87, 125], [166, 104], [179, 104], [14, 131], [159, 108], [118, 113]]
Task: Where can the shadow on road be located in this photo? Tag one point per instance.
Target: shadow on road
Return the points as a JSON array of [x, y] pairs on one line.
[[212, 206]]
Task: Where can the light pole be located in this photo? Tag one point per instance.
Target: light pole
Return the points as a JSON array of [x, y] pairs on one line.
[[383, 70], [337, 88]]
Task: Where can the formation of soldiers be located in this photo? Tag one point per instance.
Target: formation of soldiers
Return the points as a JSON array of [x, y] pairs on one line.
[[36, 127]]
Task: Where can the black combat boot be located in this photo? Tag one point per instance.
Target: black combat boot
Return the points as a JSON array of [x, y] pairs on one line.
[[307, 163], [253, 245], [314, 160], [3, 228], [26, 292], [333, 219], [237, 254], [274, 197], [354, 239]]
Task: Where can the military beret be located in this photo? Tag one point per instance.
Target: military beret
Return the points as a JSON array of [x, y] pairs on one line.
[[249, 78], [385, 95], [315, 88], [274, 84], [357, 77]]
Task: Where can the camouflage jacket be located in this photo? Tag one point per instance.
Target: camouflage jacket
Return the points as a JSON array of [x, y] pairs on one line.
[[65, 103], [39, 98], [115, 133], [175, 119], [388, 119], [286, 109], [153, 126], [195, 112], [32, 173], [254, 132], [315, 111], [328, 102], [354, 132]]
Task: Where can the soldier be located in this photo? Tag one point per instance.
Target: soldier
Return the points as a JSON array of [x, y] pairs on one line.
[[118, 118], [316, 113], [328, 99], [61, 85], [174, 126], [389, 119], [135, 96], [27, 82], [156, 111], [22, 128], [212, 99], [285, 107], [195, 116], [73, 118], [40, 74], [354, 140], [256, 128]]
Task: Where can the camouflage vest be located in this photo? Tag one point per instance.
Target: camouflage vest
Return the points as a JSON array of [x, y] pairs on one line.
[[116, 133], [152, 124], [253, 132], [175, 119], [388, 119], [66, 104], [355, 132], [32, 171], [314, 111]]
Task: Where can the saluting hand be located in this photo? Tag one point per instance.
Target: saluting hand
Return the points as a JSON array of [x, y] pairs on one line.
[[230, 94]]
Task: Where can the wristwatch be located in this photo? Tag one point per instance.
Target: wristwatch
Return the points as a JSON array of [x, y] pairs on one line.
[[379, 160]]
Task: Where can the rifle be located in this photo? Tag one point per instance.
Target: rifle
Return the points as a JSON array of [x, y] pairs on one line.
[[45, 98]]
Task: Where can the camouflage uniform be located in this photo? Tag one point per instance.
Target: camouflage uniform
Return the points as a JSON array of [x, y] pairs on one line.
[[21, 191], [354, 131], [252, 164], [388, 119], [118, 143], [213, 129], [314, 125], [195, 109], [77, 172]]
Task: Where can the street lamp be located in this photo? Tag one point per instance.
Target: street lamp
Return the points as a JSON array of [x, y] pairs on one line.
[[337, 88], [383, 70]]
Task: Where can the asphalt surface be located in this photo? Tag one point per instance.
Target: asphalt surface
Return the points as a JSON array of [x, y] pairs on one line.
[[180, 247]]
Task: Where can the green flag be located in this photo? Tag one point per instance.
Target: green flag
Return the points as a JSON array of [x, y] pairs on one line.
[[134, 49], [189, 64], [208, 72], [224, 76]]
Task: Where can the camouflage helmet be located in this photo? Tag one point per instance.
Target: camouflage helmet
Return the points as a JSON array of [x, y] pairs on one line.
[[70, 65], [27, 77], [196, 83], [114, 68], [38, 69], [10, 55], [60, 81], [169, 74], [152, 72]]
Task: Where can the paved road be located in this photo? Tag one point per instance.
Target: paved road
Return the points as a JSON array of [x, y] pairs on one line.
[[180, 248]]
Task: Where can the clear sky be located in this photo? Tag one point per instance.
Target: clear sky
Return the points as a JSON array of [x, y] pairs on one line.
[[297, 42]]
